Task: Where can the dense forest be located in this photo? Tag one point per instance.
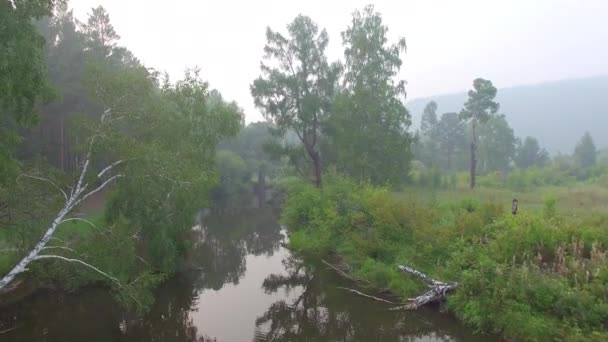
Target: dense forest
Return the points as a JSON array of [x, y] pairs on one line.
[[105, 163]]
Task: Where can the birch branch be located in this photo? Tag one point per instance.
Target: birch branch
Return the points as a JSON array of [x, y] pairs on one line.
[[99, 188], [58, 247], [20, 267], [83, 220], [51, 256], [367, 296], [420, 275], [340, 272], [110, 167], [65, 196]]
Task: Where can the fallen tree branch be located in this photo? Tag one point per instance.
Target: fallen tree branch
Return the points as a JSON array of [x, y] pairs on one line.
[[10, 329], [437, 292], [340, 272], [50, 256], [420, 275], [367, 296]]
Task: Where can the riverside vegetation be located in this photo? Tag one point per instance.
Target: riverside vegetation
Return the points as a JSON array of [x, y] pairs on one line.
[[539, 275]]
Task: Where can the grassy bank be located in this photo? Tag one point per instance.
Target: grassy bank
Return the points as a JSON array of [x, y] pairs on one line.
[[540, 275]]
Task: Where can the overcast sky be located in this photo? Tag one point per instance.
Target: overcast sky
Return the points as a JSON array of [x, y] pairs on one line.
[[450, 42]]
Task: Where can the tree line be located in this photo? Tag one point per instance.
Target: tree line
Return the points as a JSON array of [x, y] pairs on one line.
[[349, 114], [480, 140]]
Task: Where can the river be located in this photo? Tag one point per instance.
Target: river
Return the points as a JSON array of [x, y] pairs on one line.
[[244, 286]]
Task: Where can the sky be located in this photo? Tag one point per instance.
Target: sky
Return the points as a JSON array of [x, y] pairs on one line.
[[449, 42]]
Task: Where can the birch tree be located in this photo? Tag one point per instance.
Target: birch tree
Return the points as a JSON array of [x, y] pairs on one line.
[[369, 123]]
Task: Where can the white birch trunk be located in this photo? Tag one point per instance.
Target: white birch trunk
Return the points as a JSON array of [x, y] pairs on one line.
[[437, 290], [77, 196]]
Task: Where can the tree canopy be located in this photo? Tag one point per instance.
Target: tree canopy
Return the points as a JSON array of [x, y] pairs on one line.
[[369, 123], [297, 85]]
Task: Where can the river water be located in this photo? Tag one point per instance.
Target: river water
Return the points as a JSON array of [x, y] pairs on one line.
[[244, 286]]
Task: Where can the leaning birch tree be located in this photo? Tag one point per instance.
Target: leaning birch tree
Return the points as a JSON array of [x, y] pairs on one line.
[[73, 198], [154, 145]]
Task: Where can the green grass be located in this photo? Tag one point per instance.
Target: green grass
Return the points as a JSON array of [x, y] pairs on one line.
[[578, 199]]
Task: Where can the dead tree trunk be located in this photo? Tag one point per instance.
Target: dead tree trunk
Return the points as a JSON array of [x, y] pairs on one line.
[[473, 155], [317, 165], [437, 290]]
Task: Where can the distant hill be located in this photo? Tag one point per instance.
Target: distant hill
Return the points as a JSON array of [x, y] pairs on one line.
[[557, 113]]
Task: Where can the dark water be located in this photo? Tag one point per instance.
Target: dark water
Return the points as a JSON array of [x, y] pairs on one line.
[[245, 287]]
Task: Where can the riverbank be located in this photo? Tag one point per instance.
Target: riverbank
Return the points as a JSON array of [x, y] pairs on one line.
[[540, 275], [244, 279]]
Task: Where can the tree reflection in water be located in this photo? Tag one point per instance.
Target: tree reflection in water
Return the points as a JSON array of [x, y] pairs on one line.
[[218, 258], [325, 313]]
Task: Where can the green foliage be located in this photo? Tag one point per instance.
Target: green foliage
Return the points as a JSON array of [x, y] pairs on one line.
[[296, 89], [234, 180], [170, 148], [252, 145], [480, 104], [527, 277], [497, 145], [529, 154], [550, 208], [23, 82], [452, 139], [585, 152], [478, 109], [368, 126], [101, 38]]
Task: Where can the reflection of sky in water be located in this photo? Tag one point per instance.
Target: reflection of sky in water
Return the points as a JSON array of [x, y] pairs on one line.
[[229, 314]]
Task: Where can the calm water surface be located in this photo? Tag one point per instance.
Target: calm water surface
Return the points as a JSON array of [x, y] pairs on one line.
[[245, 287]]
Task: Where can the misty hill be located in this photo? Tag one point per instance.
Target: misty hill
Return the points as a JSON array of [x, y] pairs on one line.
[[557, 113]]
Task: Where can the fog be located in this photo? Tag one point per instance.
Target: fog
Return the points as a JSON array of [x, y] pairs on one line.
[[449, 42]]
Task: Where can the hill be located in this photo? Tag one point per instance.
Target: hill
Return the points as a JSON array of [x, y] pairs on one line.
[[557, 113]]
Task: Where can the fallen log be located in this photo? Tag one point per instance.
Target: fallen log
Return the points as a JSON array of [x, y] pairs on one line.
[[438, 290]]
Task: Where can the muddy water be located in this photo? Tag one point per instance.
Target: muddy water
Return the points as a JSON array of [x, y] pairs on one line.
[[244, 286]]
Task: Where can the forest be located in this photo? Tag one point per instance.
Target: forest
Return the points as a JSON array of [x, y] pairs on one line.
[[106, 162]]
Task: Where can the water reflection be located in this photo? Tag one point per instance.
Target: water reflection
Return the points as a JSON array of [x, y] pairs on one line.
[[326, 313], [241, 285]]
